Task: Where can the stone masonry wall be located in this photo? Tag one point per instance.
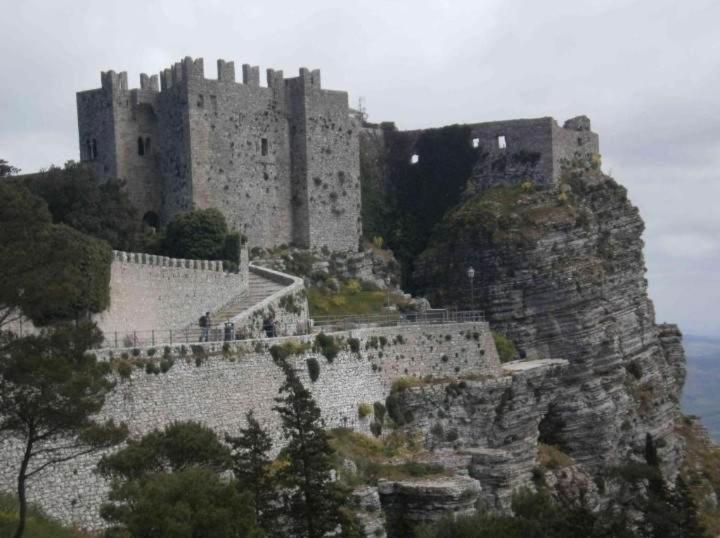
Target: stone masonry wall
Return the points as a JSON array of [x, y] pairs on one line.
[[155, 292], [220, 389]]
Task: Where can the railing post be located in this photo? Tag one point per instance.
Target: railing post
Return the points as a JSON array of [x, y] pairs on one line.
[[134, 339]]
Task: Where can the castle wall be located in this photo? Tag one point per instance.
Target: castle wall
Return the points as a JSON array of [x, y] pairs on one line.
[[158, 293], [240, 155], [96, 130], [329, 157], [220, 390], [575, 137]]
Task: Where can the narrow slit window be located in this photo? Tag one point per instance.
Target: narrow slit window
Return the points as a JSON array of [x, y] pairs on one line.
[[141, 146], [415, 158], [264, 146], [94, 149], [476, 142], [502, 143]]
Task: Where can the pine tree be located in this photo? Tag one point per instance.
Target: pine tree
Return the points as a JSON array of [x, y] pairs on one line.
[[313, 501], [251, 464], [684, 509]]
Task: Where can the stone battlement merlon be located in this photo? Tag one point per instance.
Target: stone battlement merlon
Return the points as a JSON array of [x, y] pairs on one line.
[[142, 258], [193, 69]]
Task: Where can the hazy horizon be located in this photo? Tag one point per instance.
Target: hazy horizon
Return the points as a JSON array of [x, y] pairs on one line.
[[646, 72]]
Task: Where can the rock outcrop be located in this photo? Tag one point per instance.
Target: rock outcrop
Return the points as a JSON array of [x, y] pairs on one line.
[[410, 502], [561, 272]]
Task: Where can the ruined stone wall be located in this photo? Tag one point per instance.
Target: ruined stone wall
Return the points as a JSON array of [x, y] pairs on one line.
[[572, 139], [218, 391], [158, 293]]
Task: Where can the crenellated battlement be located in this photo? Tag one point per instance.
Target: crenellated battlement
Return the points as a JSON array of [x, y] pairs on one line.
[[142, 258], [110, 80]]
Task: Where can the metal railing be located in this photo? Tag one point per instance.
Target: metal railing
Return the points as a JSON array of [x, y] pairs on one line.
[[225, 332]]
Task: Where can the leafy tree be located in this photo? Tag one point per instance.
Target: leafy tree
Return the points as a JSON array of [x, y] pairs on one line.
[[170, 483], [48, 272], [251, 465], [6, 169], [102, 209], [199, 234], [313, 502], [50, 387]]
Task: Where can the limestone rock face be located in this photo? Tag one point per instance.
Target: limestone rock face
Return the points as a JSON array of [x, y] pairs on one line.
[[561, 272], [410, 502], [492, 424], [366, 501]]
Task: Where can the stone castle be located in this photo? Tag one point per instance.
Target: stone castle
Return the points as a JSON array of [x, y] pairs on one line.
[[282, 162]]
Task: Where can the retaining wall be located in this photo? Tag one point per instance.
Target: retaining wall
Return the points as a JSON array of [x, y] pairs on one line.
[[222, 388]]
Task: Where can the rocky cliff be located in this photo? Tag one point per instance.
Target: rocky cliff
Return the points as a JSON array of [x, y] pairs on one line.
[[560, 271]]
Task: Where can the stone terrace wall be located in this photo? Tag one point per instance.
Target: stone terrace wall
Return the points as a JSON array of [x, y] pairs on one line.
[[155, 292], [220, 390]]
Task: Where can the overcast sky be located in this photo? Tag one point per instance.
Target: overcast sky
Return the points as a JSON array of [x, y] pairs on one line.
[[646, 72]]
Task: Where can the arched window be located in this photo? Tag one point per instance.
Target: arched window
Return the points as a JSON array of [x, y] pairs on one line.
[[141, 146], [147, 145]]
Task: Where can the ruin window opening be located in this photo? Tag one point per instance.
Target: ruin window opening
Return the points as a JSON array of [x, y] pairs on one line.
[[264, 146], [476, 142], [201, 101], [151, 219], [94, 152], [147, 144], [141, 146], [502, 143], [415, 158], [213, 103]]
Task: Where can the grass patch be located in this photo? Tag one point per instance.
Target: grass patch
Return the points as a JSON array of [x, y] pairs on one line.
[[39, 525], [505, 347], [551, 457], [372, 457], [350, 301]]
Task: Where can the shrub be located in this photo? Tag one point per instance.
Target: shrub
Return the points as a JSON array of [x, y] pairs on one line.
[[167, 351], [354, 345], [313, 369], [505, 347], [379, 411], [634, 369], [150, 352], [378, 241], [353, 286], [376, 428], [166, 364], [183, 351], [124, 369], [327, 345], [135, 352], [280, 352], [403, 383], [364, 409], [395, 411], [151, 368]]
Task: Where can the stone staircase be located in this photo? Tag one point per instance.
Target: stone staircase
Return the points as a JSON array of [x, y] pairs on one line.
[[259, 288]]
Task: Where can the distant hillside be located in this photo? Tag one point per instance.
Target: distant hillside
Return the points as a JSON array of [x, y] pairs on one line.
[[702, 389]]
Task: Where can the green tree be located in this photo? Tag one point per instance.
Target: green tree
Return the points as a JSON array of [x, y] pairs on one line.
[[251, 464], [48, 272], [313, 502], [6, 169], [199, 234], [77, 198], [170, 483], [50, 388]]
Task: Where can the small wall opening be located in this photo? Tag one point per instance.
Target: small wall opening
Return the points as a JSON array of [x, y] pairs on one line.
[[151, 219], [264, 146], [476, 142], [414, 158], [201, 101], [94, 153], [502, 143], [141, 146]]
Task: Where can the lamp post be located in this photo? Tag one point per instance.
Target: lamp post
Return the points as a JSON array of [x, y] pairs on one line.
[[471, 276]]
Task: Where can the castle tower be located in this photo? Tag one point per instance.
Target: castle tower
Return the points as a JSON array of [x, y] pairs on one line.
[[280, 161]]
